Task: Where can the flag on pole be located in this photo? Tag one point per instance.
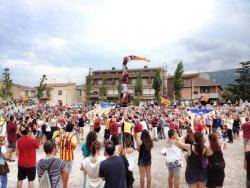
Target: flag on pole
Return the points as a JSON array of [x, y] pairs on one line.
[[165, 101], [204, 98], [134, 58]]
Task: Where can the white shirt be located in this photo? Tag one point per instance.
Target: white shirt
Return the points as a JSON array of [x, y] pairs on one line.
[[3, 151], [131, 157], [92, 167]]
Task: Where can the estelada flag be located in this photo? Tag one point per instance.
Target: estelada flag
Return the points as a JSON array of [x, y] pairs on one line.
[[165, 101], [204, 98], [135, 58]]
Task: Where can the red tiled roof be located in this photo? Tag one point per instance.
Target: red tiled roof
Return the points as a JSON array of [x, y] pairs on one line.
[[199, 82], [23, 87], [190, 75], [59, 85]]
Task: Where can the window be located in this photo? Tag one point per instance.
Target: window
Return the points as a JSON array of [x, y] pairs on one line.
[[59, 92], [195, 92], [205, 89]]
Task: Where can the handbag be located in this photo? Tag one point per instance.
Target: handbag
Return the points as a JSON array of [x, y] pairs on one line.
[[4, 168]]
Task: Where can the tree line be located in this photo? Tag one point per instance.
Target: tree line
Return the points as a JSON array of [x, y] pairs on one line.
[[6, 85]]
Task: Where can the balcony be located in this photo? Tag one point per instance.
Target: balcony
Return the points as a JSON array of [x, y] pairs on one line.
[[210, 95]]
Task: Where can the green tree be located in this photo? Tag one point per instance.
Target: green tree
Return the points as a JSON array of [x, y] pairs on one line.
[[119, 87], [6, 85], [243, 81], [138, 86], [41, 88], [240, 89], [88, 87], [178, 82], [157, 83], [103, 89]]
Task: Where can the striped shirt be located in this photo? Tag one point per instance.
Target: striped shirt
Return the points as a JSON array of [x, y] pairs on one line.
[[55, 170], [67, 146]]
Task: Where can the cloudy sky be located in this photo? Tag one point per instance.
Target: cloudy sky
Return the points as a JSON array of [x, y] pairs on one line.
[[64, 38]]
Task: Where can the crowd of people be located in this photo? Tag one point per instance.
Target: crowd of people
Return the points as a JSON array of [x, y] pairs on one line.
[[120, 140]]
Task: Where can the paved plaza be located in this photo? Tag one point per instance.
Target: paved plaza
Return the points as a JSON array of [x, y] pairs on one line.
[[235, 173]]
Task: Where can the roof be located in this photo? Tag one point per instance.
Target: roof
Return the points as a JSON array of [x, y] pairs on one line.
[[59, 85], [81, 87], [190, 75], [199, 82], [23, 87], [120, 70]]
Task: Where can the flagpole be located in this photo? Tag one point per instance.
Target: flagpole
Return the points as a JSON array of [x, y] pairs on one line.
[[192, 90]]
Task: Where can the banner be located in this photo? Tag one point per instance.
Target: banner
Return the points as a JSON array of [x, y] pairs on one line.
[[106, 104], [200, 111]]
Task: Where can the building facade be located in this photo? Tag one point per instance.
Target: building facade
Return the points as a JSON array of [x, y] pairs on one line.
[[21, 92], [111, 79], [195, 86], [60, 93]]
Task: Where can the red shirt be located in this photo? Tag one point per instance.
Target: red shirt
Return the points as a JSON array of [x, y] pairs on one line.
[[27, 151], [138, 127], [11, 132], [97, 123], [114, 127], [172, 125], [198, 127], [246, 130]]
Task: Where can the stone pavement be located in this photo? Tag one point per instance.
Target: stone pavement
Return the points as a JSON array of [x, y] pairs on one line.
[[235, 173]]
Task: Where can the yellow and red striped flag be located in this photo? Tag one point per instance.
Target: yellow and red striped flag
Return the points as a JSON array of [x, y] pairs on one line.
[[204, 98], [165, 101]]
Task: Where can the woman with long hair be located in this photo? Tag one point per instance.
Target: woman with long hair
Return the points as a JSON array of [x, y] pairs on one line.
[[86, 147], [145, 144], [90, 166], [216, 165], [196, 169]]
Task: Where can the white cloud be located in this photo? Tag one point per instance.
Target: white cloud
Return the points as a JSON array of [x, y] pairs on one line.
[[52, 43], [32, 71], [143, 25]]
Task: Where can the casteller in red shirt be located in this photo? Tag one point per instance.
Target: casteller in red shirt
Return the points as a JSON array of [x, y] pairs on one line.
[[27, 151], [246, 130], [11, 131], [114, 127], [199, 127], [138, 127]]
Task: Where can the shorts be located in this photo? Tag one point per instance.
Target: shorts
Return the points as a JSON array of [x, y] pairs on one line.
[[175, 171], [143, 162], [12, 146], [248, 183], [236, 130], [24, 173], [39, 134], [68, 165], [97, 129]]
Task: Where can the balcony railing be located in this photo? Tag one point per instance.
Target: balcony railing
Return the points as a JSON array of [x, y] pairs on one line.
[[210, 95]]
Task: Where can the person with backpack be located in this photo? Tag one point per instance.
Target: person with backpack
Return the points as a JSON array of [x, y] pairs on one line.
[[4, 168], [216, 163], [50, 170], [173, 160]]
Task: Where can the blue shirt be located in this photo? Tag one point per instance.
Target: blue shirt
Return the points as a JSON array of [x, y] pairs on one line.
[[85, 151]]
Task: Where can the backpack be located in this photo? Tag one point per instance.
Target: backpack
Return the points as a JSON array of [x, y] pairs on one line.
[[173, 156], [45, 179]]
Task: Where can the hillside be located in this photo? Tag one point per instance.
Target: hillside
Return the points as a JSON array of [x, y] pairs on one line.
[[225, 77]]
